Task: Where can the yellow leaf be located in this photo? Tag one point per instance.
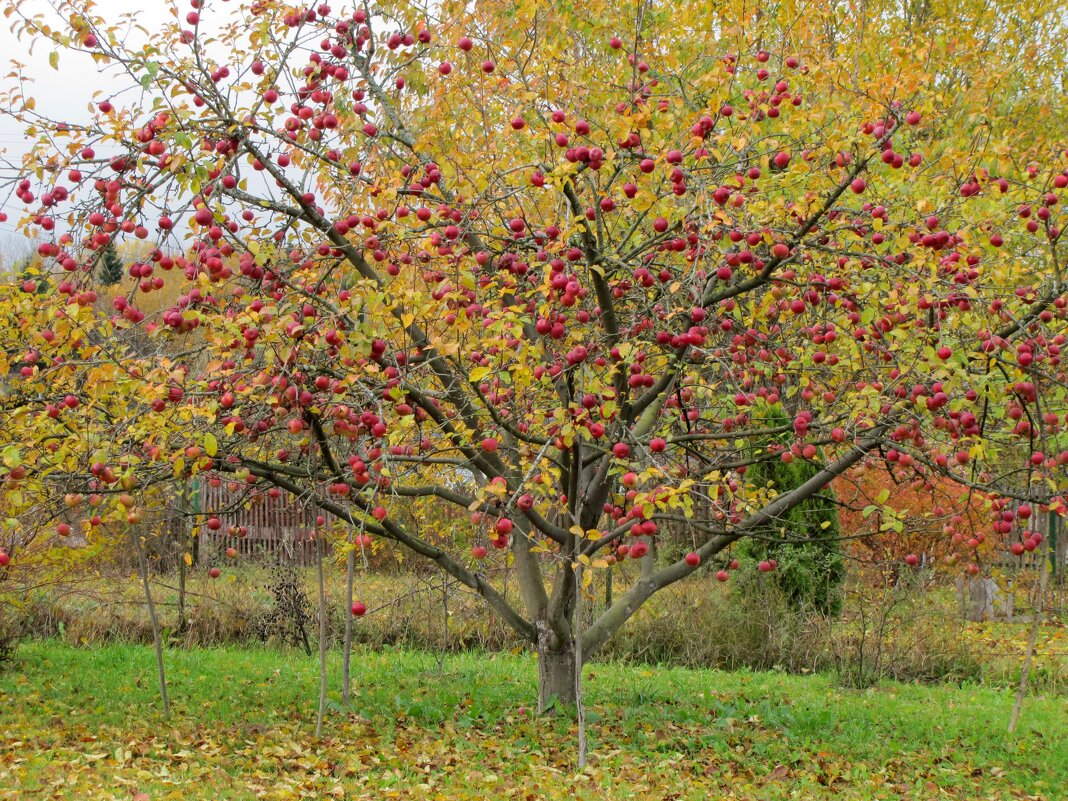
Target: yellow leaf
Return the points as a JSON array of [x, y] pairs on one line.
[[211, 445]]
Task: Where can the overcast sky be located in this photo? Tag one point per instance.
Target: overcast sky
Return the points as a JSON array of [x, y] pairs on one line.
[[67, 92]]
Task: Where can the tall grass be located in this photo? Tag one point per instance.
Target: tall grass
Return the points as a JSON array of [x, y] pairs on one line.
[[903, 634]]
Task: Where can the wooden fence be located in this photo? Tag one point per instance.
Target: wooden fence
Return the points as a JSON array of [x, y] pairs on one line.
[[280, 529]]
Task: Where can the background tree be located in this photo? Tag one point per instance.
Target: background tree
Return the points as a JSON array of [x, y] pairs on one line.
[[550, 268], [803, 548], [109, 269]]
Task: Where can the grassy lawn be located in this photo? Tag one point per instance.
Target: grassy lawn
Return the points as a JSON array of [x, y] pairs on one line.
[[85, 724]]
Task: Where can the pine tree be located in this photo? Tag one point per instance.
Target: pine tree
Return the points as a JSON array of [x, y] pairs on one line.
[[109, 269], [804, 541]]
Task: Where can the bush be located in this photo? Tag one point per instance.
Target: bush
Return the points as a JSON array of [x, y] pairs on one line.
[[727, 628], [289, 615], [891, 635]]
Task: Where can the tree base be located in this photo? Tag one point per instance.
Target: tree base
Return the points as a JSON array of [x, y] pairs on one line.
[[556, 678]]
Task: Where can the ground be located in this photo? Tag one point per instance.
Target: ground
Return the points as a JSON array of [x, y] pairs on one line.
[[85, 724]]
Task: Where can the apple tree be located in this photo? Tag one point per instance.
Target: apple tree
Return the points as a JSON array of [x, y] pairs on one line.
[[566, 269]]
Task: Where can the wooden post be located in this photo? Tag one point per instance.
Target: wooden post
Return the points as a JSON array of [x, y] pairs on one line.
[[1025, 672], [322, 636], [156, 639], [346, 663]]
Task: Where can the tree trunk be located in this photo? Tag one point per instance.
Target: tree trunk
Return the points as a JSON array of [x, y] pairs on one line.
[[556, 671], [183, 624]]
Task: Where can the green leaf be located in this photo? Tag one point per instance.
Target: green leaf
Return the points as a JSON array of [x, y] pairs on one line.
[[11, 456]]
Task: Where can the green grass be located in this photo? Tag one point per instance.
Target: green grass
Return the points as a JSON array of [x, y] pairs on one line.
[[85, 724]]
